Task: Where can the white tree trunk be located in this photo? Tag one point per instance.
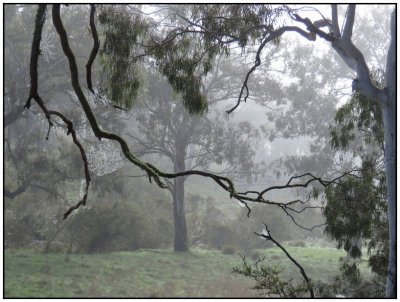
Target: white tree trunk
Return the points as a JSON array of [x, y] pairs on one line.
[[389, 109], [386, 98], [389, 119]]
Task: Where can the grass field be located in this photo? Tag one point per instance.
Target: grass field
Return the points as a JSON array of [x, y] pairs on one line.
[[150, 273]]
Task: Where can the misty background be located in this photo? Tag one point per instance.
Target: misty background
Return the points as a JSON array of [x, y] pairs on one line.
[[283, 130]]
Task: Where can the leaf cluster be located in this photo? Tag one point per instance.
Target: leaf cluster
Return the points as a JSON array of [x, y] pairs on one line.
[[243, 23], [268, 281], [122, 31], [183, 54], [180, 72], [353, 209], [358, 115], [356, 207], [350, 284]]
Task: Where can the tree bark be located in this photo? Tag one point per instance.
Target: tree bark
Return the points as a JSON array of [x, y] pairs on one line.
[[389, 120], [386, 98], [389, 109], [181, 243]]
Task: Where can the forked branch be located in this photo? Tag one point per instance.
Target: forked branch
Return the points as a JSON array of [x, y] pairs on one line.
[[33, 94]]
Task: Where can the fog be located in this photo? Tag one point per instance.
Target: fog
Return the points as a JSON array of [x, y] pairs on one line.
[[194, 195]]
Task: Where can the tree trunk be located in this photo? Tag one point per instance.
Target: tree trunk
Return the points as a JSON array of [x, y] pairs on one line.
[[389, 120], [181, 238], [387, 99], [389, 109]]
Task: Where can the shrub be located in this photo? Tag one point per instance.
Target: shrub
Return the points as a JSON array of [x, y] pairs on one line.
[[269, 282], [118, 226], [218, 236]]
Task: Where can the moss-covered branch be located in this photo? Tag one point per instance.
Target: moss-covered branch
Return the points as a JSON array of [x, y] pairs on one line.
[[33, 94]]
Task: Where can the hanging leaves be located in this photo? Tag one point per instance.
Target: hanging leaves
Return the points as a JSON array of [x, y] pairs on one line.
[[122, 31]]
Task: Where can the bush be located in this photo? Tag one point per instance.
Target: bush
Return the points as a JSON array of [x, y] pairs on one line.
[[118, 226], [218, 236], [269, 282], [349, 284]]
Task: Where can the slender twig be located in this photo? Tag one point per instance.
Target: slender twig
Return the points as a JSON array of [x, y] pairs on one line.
[[273, 35], [302, 272], [71, 131], [289, 184]]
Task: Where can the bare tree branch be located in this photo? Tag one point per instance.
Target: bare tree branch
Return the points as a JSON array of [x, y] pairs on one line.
[[313, 178], [95, 49], [84, 159], [40, 18], [272, 36], [302, 272]]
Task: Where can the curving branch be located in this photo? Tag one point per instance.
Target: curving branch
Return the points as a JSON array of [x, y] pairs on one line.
[[268, 236], [95, 49], [313, 28], [152, 172], [40, 18], [343, 45], [273, 35], [313, 178], [355, 60], [71, 131]]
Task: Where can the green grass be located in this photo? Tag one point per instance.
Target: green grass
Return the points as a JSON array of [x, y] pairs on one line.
[[143, 273], [319, 263]]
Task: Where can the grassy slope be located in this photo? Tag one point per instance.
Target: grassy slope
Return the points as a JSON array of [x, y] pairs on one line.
[[200, 273]]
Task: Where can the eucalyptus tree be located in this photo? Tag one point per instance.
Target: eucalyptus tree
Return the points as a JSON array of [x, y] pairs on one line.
[[356, 207], [385, 97], [184, 55], [164, 127], [355, 133]]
